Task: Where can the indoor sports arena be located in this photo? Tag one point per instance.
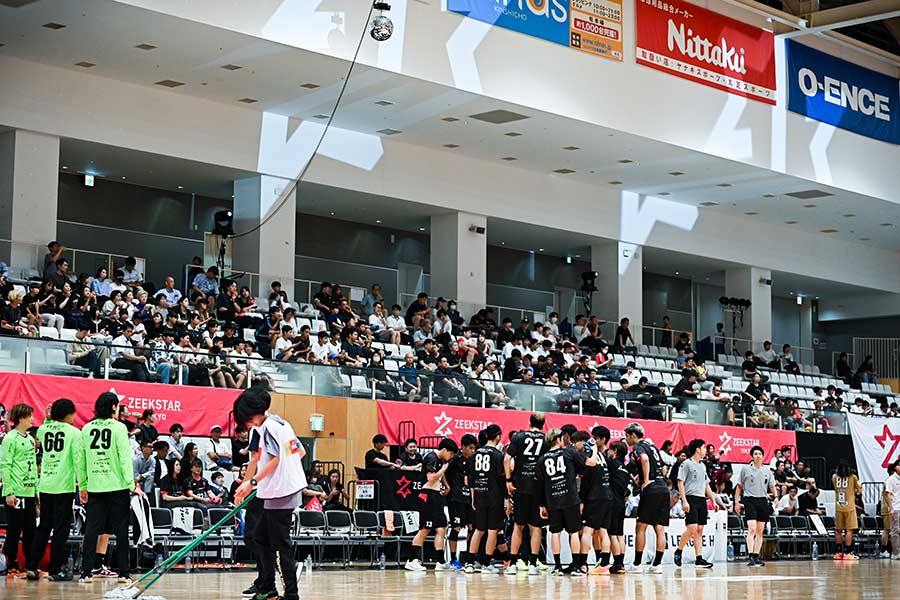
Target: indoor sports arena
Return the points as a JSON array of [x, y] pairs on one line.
[[449, 298]]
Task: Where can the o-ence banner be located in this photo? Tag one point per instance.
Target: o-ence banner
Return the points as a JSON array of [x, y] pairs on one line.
[[592, 26], [693, 43], [840, 93]]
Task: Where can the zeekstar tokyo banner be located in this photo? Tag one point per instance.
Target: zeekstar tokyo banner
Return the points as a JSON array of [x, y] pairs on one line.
[[733, 444], [691, 42], [196, 408], [876, 442], [456, 421]]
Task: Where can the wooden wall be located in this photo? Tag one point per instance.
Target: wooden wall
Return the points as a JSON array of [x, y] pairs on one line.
[[350, 424]]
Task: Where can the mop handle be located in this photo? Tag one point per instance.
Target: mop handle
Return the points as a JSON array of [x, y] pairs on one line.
[[162, 567]]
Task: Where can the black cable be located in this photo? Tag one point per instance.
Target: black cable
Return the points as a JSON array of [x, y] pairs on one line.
[[294, 183]]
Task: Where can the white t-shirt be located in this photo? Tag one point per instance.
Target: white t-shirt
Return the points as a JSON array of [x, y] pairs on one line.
[[222, 446], [395, 323], [376, 321], [282, 345], [320, 351], [786, 502], [893, 486], [277, 439]]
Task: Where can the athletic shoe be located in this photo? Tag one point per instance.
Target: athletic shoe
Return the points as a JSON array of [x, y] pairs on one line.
[[752, 562], [414, 565], [125, 580], [86, 579], [470, 568], [636, 569], [759, 562], [839, 556], [654, 569], [104, 571], [598, 570], [511, 570], [851, 556], [557, 572], [442, 567], [885, 554], [541, 565], [533, 570], [577, 573], [457, 565], [677, 559], [895, 557], [61, 576], [521, 565], [250, 591], [617, 569], [31, 575], [265, 595], [490, 569], [702, 563]]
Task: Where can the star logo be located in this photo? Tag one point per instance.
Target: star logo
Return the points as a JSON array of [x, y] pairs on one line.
[[121, 397], [725, 445], [443, 422], [888, 440], [403, 487]]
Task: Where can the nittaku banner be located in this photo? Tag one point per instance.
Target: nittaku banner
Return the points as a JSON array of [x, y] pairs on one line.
[[592, 26], [691, 42], [842, 94], [876, 443]]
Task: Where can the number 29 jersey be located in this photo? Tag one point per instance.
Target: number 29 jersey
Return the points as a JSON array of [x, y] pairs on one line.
[[558, 472], [487, 477], [107, 465]]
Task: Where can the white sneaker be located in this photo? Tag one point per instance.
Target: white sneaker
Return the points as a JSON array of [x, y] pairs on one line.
[[414, 565], [511, 570], [490, 570], [533, 570], [442, 567], [634, 568], [469, 568], [657, 570], [521, 565], [895, 557], [884, 554]]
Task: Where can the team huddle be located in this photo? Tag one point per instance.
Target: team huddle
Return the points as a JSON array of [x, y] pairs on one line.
[[577, 482]]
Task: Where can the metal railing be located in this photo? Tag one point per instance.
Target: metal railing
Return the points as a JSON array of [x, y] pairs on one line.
[[26, 260], [885, 352]]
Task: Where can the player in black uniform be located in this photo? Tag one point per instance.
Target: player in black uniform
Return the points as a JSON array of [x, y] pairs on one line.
[[619, 481], [431, 515], [558, 471], [520, 464], [460, 498], [597, 496], [653, 509], [487, 483]]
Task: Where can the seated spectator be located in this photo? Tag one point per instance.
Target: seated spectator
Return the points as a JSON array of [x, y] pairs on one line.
[[247, 317], [767, 357], [467, 347], [84, 353], [787, 360], [227, 307], [219, 371], [396, 323], [171, 492], [336, 498], [101, 284], [206, 285], [843, 369], [118, 284], [218, 491], [410, 458], [278, 297], [408, 378], [424, 332], [144, 468], [285, 346], [123, 355], [268, 331], [13, 321], [370, 299], [789, 505], [60, 275], [217, 451], [323, 301], [684, 342], [171, 295], [490, 381], [379, 326], [866, 372], [748, 367], [342, 317], [351, 353], [133, 278], [195, 268], [604, 362], [418, 310], [801, 476], [197, 489], [165, 358], [808, 504], [687, 387], [40, 306], [446, 383]]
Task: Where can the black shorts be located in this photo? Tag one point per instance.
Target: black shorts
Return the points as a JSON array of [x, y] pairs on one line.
[[616, 518], [490, 517], [597, 513], [653, 509], [699, 513], [431, 514], [527, 510], [756, 509], [461, 513], [568, 518]]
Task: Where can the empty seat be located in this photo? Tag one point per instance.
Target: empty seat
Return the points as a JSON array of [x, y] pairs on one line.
[[49, 332], [318, 325]]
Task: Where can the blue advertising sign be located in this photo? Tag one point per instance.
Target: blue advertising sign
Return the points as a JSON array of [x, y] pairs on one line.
[[843, 94], [592, 26]]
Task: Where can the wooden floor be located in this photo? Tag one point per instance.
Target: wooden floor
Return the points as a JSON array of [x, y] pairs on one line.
[[866, 579]]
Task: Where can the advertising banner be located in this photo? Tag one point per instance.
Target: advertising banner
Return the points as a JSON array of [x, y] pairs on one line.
[[592, 26], [196, 408], [840, 93], [701, 45], [733, 444], [876, 443]]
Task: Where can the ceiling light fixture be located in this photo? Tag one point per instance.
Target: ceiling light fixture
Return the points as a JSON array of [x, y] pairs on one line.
[[384, 103], [828, 231], [170, 83], [388, 131], [450, 119], [421, 229], [146, 46], [180, 187], [512, 134], [664, 194], [676, 173], [614, 182], [540, 249], [248, 100], [849, 215], [232, 67], [309, 86], [65, 167], [768, 195], [378, 221], [709, 203], [563, 171], [332, 213], [676, 272], [123, 177], [571, 148], [320, 116], [382, 26], [791, 222], [723, 185], [509, 158], [625, 161], [498, 117], [887, 224], [54, 26], [751, 213], [809, 206], [85, 64], [451, 145]]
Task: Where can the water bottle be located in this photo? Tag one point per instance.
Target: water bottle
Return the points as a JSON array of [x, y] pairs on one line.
[[815, 551], [730, 552], [381, 562], [70, 567], [308, 563], [187, 564], [159, 561]]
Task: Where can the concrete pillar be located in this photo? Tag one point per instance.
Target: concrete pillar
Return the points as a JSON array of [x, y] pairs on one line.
[[269, 251], [755, 285], [620, 283], [459, 259], [29, 183]]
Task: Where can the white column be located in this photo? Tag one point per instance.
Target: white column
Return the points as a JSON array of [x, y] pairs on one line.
[[459, 259], [620, 283], [29, 183], [268, 251], [753, 284], [806, 357]]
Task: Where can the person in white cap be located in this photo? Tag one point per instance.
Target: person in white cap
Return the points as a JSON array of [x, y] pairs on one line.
[[217, 452]]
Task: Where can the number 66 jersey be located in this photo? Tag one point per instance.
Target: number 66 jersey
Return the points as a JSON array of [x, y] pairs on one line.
[[107, 465], [61, 446]]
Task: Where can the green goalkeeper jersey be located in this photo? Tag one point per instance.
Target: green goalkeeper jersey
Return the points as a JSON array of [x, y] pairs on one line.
[[18, 465], [61, 444], [107, 465]]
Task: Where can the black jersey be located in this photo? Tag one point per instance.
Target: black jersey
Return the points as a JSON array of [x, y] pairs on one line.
[[525, 448], [456, 477], [558, 472], [619, 479], [431, 463], [487, 477], [658, 483], [596, 482]]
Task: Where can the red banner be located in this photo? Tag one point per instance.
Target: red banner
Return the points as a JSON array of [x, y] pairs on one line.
[[701, 45], [456, 421], [196, 408], [735, 442]]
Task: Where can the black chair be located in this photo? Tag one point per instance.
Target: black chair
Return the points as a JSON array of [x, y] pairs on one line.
[[367, 532], [224, 537], [338, 528], [868, 533], [802, 534], [736, 533]]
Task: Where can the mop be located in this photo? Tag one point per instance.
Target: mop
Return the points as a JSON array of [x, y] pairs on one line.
[[141, 585]]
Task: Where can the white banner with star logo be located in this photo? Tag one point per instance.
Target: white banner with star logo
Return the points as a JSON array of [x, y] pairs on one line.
[[876, 442]]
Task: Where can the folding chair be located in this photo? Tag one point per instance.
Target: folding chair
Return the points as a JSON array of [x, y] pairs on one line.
[[368, 531]]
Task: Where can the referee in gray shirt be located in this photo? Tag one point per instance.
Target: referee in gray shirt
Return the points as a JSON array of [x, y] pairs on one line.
[[755, 482], [693, 489]]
